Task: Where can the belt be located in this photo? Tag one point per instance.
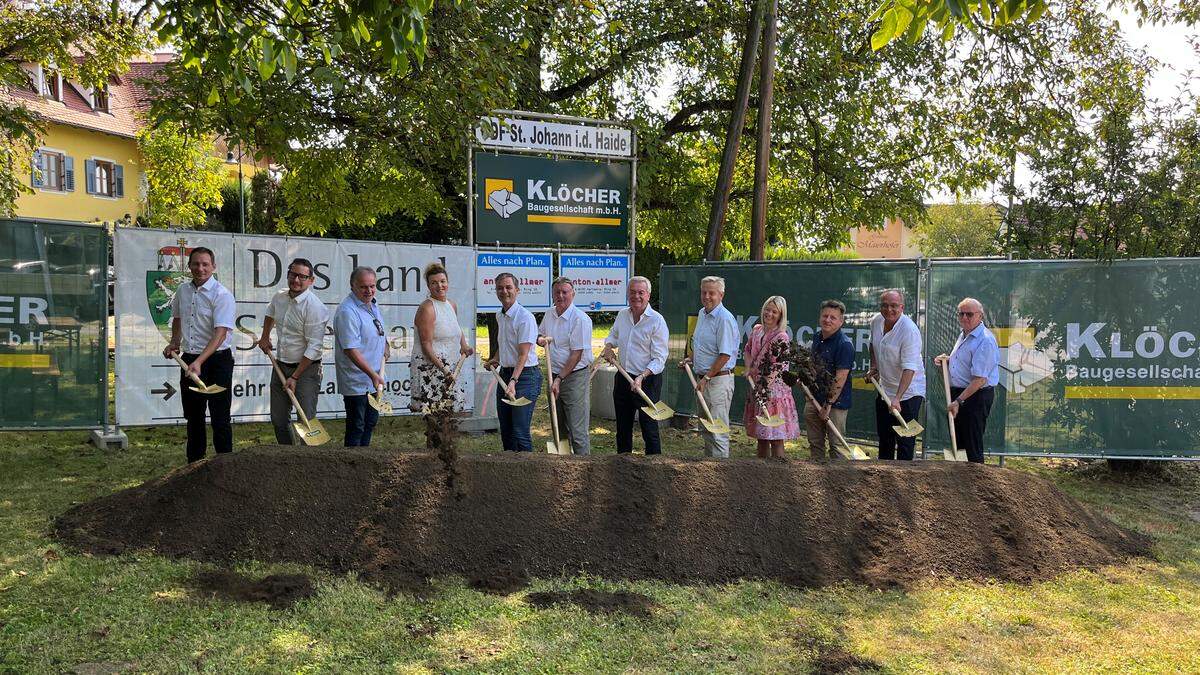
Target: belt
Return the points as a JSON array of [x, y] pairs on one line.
[[722, 373], [285, 363]]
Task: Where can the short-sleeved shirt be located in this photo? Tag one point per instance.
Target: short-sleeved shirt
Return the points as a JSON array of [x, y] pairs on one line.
[[897, 351], [975, 355], [716, 333], [571, 331], [201, 311], [836, 353], [357, 325], [300, 322], [643, 345], [516, 326]]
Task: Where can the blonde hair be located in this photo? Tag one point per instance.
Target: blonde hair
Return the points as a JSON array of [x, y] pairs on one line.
[[435, 268], [780, 304]]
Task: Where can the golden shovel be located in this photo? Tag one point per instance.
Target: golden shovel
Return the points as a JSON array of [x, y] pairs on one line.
[[766, 420], [905, 429], [656, 411], [851, 451], [200, 386], [311, 432], [515, 402], [713, 425], [376, 399], [558, 446]]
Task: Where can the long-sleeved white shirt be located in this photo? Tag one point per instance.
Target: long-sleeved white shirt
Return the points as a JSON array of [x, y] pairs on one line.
[[643, 345], [300, 324], [897, 351]]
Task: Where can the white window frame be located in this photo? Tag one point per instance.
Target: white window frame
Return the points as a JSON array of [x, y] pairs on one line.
[[62, 172], [113, 177]]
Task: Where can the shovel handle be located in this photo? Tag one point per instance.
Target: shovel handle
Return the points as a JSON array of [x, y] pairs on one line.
[[283, 381], [550, 393], [699, 396], [645, 398], [949, 417], [195, 378], [828, 422], [888, 401], [462, 358]]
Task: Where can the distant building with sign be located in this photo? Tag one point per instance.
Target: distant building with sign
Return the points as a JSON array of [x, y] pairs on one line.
[[895, 240]]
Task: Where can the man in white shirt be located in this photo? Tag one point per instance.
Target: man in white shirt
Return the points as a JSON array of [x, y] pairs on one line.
[[640, 335], [896, 360], [715, 344], [570, 331], [202, 318], [301, 319], [518, 363]]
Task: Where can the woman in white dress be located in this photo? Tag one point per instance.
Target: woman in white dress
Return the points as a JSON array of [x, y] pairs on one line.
[[440, 339]]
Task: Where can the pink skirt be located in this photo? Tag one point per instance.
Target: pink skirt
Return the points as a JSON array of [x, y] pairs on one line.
[[781, 404]]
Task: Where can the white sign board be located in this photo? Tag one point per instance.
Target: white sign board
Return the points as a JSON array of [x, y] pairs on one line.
[[600, 279], [582, 139], [533, 271], [151, 264]]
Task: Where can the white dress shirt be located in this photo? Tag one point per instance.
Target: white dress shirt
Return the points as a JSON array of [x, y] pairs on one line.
[[641, 346], [571, 331], [516, 327], [201, 311], [300, 322], [897, 351]]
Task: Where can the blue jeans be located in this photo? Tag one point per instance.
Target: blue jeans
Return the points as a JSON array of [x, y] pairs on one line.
[[514, 421], [360, 420]]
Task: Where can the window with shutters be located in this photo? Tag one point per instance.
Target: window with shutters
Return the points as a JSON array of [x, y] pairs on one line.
[[104, 178], [53, 171], [100, 98], [51, 85]]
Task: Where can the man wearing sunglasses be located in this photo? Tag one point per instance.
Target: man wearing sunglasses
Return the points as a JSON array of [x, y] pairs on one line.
[[974, 373], [360, 348], [301, 319]]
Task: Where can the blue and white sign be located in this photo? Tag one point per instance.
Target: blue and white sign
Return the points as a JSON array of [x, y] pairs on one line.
[[600, 279], [533, 270]]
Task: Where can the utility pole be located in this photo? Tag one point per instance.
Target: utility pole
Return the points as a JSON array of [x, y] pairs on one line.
[[762, 155], [241, 193], [716, 219]]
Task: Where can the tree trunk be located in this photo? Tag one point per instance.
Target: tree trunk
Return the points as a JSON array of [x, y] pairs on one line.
[[762, 155], [716, 220]]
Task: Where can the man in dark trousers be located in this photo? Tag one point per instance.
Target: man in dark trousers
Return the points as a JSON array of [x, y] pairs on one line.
[[974, 373], [202, 315]]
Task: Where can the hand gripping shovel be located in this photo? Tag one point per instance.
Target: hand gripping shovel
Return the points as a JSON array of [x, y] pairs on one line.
[[515, 402], [311, 432], [200, 386], [376, 399], [952, 454], [713, 425], [851, 451], [905, 429], [656, 411], [558, 446]]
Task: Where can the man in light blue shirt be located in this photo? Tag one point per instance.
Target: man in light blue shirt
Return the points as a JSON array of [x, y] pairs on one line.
[[715, 342], [974, 373], [360, 349]]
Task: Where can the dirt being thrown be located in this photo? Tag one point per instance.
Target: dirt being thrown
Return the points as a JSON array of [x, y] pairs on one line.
[[392, 517]]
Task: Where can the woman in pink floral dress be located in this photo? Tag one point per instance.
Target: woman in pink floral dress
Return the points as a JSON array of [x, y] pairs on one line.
[[772, 328]]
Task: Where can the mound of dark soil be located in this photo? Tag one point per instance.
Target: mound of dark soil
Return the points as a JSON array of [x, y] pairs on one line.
[[596, 602], [277, 590], [392, 517]]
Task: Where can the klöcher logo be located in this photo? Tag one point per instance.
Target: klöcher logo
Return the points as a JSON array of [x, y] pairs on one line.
[[500, 196]]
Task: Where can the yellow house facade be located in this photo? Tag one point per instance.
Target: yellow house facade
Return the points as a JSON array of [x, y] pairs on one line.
[[87, 166]]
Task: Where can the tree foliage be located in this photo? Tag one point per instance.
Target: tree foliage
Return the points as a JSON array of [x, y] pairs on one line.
[[183, 176], [958, 230]]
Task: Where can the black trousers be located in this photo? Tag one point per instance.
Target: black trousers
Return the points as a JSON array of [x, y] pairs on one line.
[[628, 404], [218, 369], [971, 421], [891, 445]]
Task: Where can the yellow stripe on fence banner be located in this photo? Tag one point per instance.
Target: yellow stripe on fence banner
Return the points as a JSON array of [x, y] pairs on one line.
[[574, 220], [24, 360], [1152, 393], [861, 383]]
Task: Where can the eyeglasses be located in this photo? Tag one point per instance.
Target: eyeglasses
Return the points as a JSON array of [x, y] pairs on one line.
[[293, 275], [966, 314], [890, 305], [378, 326]]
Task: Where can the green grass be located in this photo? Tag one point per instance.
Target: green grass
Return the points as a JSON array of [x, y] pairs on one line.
[[59, 610]]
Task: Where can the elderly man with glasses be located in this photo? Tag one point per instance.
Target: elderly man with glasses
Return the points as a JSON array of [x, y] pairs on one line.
[[974, 373], [896, 360], [360, 349]]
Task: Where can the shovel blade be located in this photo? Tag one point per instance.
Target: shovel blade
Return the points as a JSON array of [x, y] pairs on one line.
[[660, 412], [517, 402], [313, 434], [770, 421], [208, 389], [912, 429], [715, 426], [560, 449]]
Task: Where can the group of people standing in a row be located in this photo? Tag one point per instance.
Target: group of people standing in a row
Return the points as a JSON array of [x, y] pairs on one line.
[[203, 313]]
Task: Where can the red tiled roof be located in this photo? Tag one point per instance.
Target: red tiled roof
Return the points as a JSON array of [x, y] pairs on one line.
[[127, 99]]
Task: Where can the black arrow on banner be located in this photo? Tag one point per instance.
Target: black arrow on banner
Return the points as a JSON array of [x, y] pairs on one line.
[[168, 391]]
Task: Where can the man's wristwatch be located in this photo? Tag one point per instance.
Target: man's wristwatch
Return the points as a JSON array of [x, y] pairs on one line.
[[959, 400]]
